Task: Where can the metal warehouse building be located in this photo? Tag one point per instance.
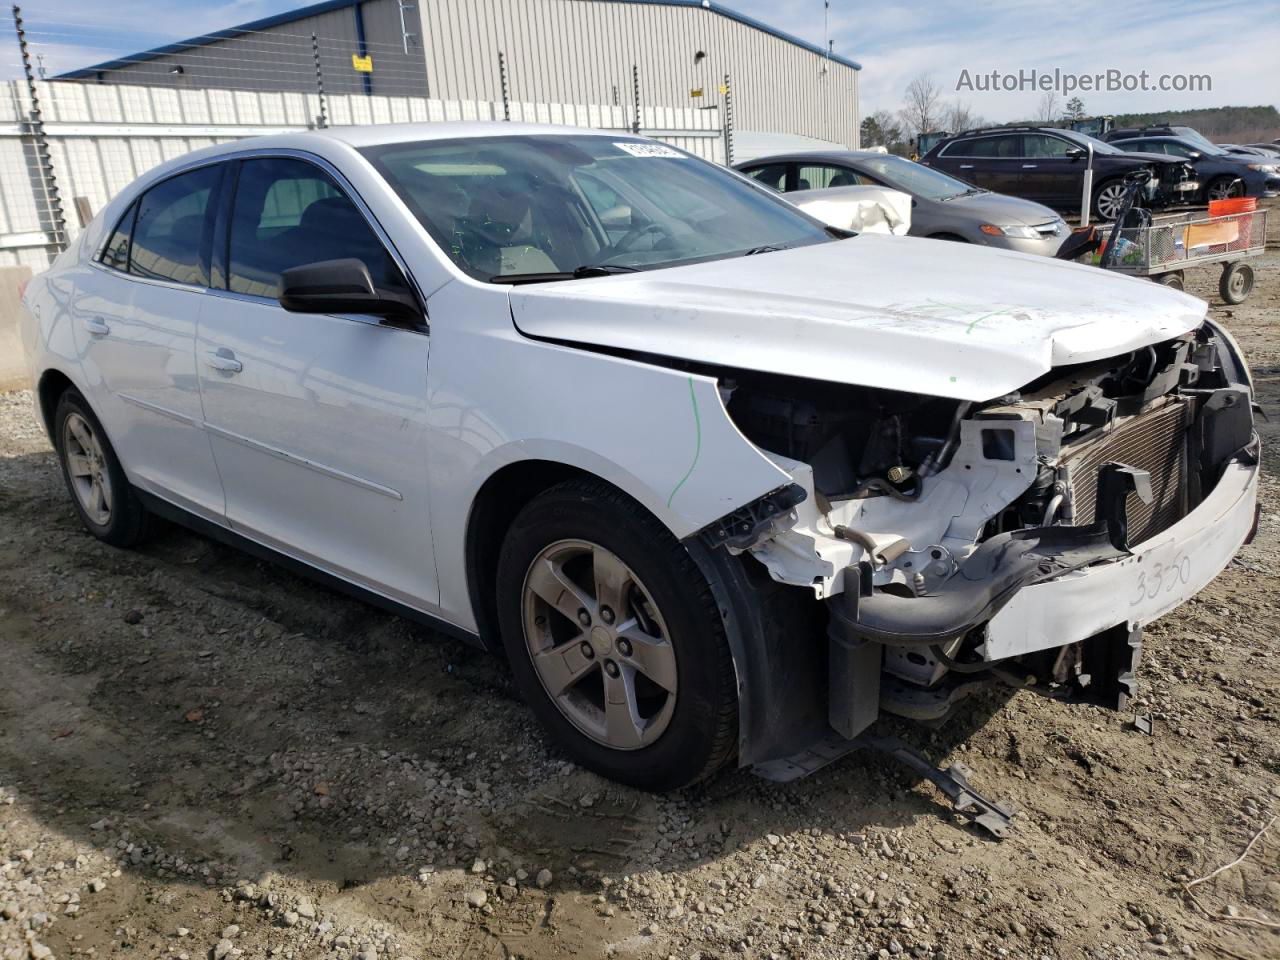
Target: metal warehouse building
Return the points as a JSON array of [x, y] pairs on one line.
[[661, 53]]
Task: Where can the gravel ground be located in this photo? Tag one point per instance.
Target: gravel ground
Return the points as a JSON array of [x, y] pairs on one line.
[[204, 756]]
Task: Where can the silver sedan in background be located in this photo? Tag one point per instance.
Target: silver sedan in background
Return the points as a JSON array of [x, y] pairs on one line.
[[943, 207]]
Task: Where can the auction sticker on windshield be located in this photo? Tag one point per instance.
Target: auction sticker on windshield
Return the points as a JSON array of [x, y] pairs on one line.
[[649, 150]]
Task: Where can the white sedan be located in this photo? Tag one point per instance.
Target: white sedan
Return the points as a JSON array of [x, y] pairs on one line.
[[719, 481]]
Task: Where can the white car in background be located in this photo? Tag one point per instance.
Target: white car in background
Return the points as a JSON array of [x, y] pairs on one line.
[[718, 480]]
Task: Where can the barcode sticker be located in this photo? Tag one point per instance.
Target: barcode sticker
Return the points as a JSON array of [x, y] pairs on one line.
[[649, 150]]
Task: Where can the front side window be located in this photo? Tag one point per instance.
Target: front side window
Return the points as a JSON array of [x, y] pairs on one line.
[[819, 176], [1043, 146], [548, 206], [287, 213], [173, 228]]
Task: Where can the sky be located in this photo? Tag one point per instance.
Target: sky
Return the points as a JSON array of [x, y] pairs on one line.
[[1234, 42]]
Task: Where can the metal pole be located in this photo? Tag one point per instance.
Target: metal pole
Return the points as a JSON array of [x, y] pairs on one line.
[[405, 34], [1086, 201], [728, 122], [322, 121], [38, 143], [635, 92], [502, 75]]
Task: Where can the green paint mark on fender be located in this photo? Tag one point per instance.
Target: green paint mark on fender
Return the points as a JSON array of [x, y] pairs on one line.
[[697, 450]]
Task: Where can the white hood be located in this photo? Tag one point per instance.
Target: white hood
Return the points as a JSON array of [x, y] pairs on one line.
[[921, 316]]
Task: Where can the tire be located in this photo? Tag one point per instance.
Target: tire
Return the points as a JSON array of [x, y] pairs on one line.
[[1173, 279], [89, 462], [1224, 188], [1107, 198], [1236, 282], [675, 730]]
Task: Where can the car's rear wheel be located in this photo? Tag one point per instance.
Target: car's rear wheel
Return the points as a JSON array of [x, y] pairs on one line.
[[1108, 200], [102, 495], [615, 639]]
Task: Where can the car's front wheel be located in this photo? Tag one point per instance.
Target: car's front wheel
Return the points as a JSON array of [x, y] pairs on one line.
[[615, 639], [1108, 200], [103, 497]]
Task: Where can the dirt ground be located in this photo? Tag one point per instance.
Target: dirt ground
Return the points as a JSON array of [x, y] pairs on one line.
[[204, 756]]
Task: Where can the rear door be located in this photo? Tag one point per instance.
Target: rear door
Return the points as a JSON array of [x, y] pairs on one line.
[[318, 423], [137, 311], [993, 161]]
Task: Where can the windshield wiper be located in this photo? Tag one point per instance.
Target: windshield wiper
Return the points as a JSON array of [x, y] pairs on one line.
[[578, 273]]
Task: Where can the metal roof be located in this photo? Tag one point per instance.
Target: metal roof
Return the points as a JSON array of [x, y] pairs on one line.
[[325, 6]]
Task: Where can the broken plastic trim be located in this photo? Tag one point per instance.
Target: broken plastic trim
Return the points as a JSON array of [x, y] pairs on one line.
[[747, 525], [997, 570]]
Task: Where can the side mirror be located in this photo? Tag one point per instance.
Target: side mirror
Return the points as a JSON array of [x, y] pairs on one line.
[[342, 286], [1075, 153], [1194, 155], [617, 217]]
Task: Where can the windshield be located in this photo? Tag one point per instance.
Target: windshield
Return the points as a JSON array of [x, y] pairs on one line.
[[915, 178], [546, 206], [1193, 136]]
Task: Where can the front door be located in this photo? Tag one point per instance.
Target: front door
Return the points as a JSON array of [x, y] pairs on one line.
[[317, 422], [1049, 173]]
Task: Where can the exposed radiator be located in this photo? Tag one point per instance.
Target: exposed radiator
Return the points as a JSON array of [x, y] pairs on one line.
[[1155, 442]]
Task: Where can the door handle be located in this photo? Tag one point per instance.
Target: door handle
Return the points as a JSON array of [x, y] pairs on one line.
[[224, 360], [97, 326], [966, 166], [1030, 166]]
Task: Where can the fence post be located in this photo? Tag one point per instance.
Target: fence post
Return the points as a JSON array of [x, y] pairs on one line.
[[322, 121], [728, 122], [38, 145], [502, 76], [635, 94]]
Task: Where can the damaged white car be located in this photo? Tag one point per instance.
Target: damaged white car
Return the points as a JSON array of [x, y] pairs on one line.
[[720, 482]]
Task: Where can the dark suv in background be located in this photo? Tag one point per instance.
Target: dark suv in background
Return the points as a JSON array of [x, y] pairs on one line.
[[1047, 164]]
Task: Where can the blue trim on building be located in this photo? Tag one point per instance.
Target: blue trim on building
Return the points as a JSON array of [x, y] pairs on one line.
[[362, 46], [328, 5]]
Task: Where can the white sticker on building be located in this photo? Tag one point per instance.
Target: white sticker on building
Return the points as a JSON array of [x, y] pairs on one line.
[[650, 150]]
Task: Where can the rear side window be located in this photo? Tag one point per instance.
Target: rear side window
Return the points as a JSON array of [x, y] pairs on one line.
[[172, 231], [287, 213], [116, 253], [1004, 146]]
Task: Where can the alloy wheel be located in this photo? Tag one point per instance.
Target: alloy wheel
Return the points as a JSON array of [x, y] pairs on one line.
[[1224, 189], [1110, 200], [87, 468], [599, 644]]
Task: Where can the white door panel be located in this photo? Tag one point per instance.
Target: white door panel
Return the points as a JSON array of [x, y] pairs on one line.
[[320, 439], [137, 341]]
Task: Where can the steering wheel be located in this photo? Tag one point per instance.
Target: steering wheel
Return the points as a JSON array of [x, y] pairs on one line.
[[633, 236]]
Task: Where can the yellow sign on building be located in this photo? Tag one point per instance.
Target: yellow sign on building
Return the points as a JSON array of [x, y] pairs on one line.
[[362, 64]]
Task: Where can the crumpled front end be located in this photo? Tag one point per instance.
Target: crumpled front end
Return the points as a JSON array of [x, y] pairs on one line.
[[1025, 540]]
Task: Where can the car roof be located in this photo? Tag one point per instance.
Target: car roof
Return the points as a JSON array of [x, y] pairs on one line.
[[831, 156]]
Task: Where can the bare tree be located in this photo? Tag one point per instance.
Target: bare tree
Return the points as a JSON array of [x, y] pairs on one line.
[[959, 116], [1048, 109], [923, 106], [1075, 109]]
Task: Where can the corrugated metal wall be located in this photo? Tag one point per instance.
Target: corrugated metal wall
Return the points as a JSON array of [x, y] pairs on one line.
[[281, 57], [583, 50], [101, 137]]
